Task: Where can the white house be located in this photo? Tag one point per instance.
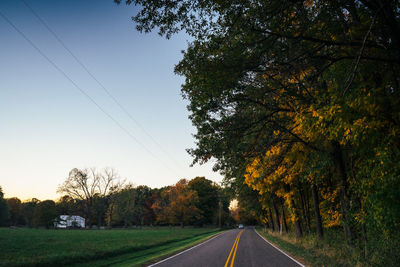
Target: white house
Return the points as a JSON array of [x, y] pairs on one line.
[[69, 221]]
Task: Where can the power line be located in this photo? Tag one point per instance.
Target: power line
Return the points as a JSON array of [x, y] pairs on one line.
[[99, 83], [81, 90]]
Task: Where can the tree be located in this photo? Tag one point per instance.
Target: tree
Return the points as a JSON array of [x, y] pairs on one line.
[[66, 205], [207, 192], [161, 201], [142, 207], [28, 211], [148, 215], [121, 210], [14, 205], [4, 211], [86, 184], [180, 206], [311, 85], [45, 214]]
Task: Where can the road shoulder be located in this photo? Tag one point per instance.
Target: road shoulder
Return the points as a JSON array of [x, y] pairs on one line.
[[299, 260]]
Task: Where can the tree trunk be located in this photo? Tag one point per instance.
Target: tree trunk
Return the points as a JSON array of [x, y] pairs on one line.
[[265, 219], [284, 217], [297, 224], [89, 210], [297, 227], [276, 217], [317, 213], [304, 209], [364, 237], [345, 207], [271, 219], [308, 209]]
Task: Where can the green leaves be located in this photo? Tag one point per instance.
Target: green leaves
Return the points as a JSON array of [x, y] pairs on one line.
[[316, 80]]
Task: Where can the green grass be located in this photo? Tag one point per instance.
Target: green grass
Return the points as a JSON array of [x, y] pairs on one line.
[[32, 247], [330, 251]]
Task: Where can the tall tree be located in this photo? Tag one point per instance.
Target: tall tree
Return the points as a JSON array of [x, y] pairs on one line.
[[181, 207], [121, 210], [14, 205], [28, 211], [207, 192], [45, 214], [142, 207], [85, 184]]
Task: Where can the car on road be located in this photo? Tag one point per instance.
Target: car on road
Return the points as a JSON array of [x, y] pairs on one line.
[[240, 226]]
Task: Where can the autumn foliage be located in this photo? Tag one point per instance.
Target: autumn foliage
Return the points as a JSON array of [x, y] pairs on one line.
[[298, 101], [177, 205]]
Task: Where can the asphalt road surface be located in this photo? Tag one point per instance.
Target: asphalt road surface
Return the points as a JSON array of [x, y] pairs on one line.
[[239, 247]]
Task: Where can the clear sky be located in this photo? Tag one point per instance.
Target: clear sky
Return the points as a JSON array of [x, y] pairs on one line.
[[48, 127]]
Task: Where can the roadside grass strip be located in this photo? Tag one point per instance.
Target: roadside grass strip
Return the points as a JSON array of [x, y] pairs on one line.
[[233, 249]]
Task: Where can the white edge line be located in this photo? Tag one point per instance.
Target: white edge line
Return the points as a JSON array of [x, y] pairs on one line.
[[198, 245], [302, 265]]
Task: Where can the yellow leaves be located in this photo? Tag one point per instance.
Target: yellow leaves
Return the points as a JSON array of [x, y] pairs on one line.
[[330, 195], [333, 110], [360, 216], [280, 170], [300, 75], [315, 114], [331, 218], [304, 73], [394, 132], [326, 113], [252, 172], [360, 122], [273, 151]]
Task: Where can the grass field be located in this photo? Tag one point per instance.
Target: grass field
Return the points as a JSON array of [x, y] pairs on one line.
[[32, 247]]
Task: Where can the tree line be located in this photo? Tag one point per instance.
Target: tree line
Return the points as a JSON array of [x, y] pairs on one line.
[[105, 200], [298, 102]]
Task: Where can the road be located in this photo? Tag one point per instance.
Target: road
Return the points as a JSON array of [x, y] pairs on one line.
[[239, 247]]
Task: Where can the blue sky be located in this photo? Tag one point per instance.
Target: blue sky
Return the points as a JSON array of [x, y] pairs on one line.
[[48, 127]]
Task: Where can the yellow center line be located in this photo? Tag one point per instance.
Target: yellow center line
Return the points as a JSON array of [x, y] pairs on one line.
[[232, 249], [234, 253], [227, 260]]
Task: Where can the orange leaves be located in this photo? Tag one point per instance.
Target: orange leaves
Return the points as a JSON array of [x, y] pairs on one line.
[[274, 151], [179, 205], [309, 3]]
